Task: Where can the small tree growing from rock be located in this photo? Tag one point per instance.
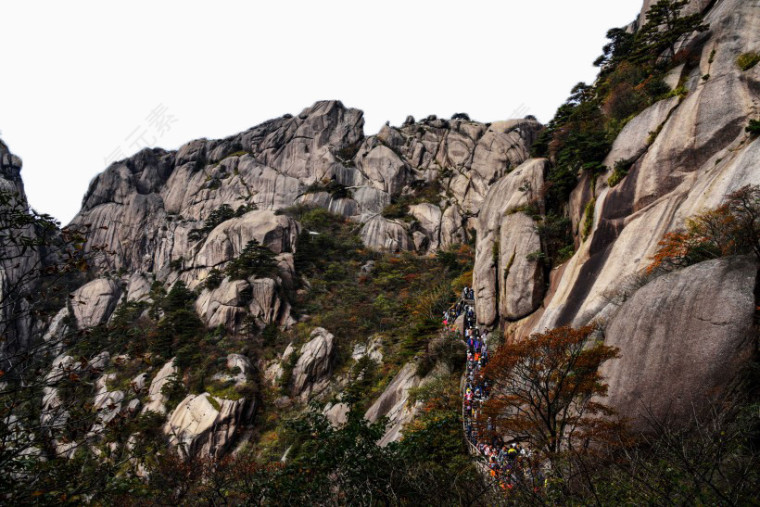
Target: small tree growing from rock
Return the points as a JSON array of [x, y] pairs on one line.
[[733, 228], [664, 28]]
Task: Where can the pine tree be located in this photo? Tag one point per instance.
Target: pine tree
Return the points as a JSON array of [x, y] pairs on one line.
[[664, 28]]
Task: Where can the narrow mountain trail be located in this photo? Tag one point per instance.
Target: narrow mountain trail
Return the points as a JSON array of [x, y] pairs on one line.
[[505, 463]]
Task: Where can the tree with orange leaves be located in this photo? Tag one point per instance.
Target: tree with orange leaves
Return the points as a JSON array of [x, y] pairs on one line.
[[733, 228], [545, 390]]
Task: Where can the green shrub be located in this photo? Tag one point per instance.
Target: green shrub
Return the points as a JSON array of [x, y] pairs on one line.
[[746, 61], [556, 233], [621, 171], [218, 216], [531, 209], [254, 260], [396, 210], [214, 279], [287, 372], [588, 218], [332, 187], [538, 255], [753, 128]]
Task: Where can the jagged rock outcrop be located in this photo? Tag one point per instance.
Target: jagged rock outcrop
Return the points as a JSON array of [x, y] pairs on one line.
[[265, 307], [17, 262], [683, 338], [156, 398], [159, 210], [314, 362], [93, 303], [386, 235], [507, 281], [225, 242], [429, 218], [158, 198], [393, 403], [225, 305], [205, 426]]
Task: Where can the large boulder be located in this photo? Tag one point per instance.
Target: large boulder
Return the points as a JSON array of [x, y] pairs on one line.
[[94, 302], [205, 426], [428, 217], [393, 403], [265, 306], [683, 339], [383, 167], [156, 398], [521, 283], [506, 235], [388, 235], [306, 145], [18, 263], [225, 305], [314, 362], [225, 242], [700, 156], [505, 145]]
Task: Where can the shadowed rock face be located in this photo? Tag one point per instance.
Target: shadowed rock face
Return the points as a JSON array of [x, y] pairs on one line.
[[393, 403], [683, 339], [16, 263]]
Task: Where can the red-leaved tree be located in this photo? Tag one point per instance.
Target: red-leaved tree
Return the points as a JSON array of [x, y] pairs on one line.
[[545, 390]]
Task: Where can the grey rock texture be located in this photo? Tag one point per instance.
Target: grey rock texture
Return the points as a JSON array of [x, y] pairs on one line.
[[701, 155], [521, 279], [158, 197], [225, 305], [337, 414], [93, 303], [204, 426], [506, 282], [314, 363], [16, 263], [156, 399], [393, 403], [387, 235], [455, 175], [683, 339], [692, 7]]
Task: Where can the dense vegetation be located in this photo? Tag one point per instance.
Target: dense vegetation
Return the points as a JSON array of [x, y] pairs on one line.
[[580, 135]]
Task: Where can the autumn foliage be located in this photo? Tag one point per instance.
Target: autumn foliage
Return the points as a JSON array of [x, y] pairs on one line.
[[545, 389], [733, 228]]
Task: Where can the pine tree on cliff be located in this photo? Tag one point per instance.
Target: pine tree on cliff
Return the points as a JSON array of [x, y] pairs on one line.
[[664, 28]]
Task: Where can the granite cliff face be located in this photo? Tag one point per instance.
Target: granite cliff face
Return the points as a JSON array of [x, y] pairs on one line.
[[186, 215], [16, 261]]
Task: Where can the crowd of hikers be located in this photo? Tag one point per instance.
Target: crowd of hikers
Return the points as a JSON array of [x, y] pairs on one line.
[[506, 462]]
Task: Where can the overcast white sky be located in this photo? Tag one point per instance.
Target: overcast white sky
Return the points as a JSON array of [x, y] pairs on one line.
[[83, 82]]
